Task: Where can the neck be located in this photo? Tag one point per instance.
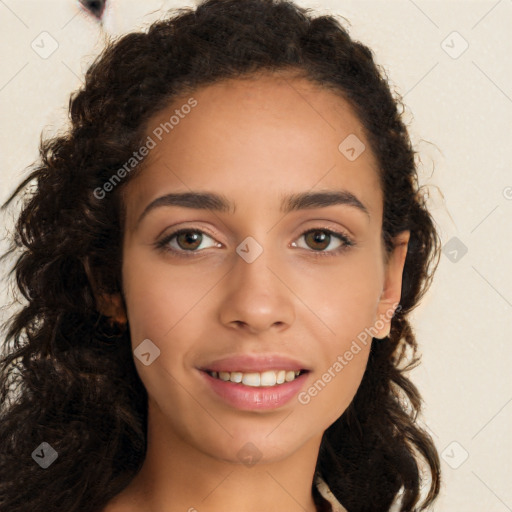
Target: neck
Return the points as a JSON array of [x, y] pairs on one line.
[[176, 476]]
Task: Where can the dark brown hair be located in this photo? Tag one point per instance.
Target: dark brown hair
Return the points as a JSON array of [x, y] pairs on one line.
[[68, 377]]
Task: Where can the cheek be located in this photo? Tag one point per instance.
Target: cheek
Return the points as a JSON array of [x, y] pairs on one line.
[[345, 300], [343, 295], [334, 386], [158, 295]]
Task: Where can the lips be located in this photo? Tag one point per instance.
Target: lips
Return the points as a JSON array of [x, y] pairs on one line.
[[246, 363], [249, 397]]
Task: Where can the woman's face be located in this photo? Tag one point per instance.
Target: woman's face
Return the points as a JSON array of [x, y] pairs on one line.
[[255, 279]]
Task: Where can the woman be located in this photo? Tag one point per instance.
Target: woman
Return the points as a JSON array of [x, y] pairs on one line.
[[219, 258]]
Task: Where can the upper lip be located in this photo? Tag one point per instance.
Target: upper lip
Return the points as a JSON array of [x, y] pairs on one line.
[[253, 363]]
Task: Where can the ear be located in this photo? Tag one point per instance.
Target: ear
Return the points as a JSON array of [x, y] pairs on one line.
[[392, 289], [108, 304]]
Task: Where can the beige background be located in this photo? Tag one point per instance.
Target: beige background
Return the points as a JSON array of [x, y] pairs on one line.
[[459, 108]]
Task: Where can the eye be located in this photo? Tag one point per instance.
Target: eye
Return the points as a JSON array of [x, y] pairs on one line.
[[320, 238], [187, 240]]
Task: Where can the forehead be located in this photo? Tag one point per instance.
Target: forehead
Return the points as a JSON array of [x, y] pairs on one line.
[[256, 139]]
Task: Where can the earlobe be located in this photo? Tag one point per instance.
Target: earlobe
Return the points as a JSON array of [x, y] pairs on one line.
[[109, 305], [392, 289]]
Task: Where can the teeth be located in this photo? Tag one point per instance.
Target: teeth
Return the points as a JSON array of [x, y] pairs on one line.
[[251, 379], [268, 378], [289, 376], [256, 379], [224, 375], [236, 376]]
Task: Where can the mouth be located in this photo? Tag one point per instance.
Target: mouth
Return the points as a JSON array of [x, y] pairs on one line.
[[250, 381], [254, 391], [267, 378]]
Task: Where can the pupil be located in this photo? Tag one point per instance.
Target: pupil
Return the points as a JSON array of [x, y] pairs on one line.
[[319, 235], [190, 236]]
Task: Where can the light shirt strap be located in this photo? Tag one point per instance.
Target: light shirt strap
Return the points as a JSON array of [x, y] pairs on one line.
[[324, 490]]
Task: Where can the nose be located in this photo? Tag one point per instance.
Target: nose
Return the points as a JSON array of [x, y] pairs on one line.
[[258, 296]]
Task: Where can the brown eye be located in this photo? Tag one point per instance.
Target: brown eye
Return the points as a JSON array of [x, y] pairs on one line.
[[189, 239], [318, 239], [184, 241]]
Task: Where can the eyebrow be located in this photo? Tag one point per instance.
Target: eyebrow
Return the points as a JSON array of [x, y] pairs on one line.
[[200, 200]]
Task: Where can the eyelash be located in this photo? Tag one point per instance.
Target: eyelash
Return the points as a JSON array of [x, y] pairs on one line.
[[163, 243]]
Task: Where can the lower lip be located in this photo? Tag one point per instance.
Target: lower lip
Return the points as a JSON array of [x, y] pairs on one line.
[[250, 398]]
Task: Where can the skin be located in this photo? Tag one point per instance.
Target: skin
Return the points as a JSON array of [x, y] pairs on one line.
[[252, 141]]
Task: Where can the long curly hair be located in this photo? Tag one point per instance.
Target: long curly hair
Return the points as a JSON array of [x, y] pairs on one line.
[[67, 375]]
